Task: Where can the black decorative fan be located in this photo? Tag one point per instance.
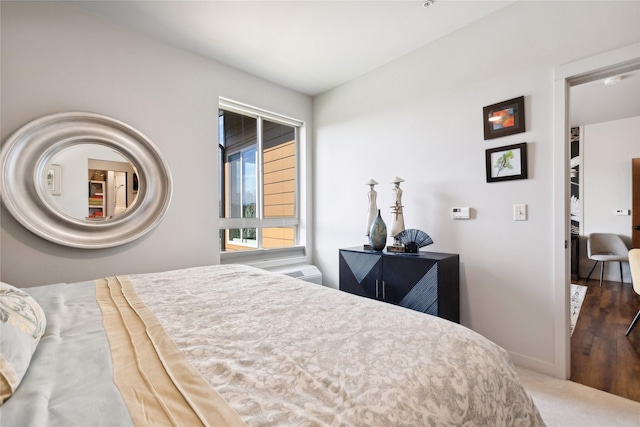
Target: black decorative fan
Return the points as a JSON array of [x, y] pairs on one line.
[[413, 239]]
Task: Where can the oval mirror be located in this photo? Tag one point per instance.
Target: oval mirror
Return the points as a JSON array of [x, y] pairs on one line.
[[84, 180]]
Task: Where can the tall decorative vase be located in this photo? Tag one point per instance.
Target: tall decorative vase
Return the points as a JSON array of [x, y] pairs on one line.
[[378, 233]]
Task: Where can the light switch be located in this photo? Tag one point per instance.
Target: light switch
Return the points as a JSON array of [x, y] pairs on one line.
[[520, 212]]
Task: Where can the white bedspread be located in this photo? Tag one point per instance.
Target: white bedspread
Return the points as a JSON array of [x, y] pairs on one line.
[[286, 352]]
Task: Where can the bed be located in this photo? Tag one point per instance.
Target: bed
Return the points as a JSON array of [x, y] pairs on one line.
[[234, 345]]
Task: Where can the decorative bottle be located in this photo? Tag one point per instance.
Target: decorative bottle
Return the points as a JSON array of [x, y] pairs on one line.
[[378, 233]]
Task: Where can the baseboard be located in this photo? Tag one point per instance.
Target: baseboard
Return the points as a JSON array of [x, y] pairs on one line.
[[536, 365]]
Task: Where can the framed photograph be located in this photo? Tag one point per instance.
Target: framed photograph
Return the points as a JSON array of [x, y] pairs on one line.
[[504, 118], [507, 163], [54, 174]]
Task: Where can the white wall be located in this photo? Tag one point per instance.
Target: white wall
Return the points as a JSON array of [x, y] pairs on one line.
[[420, 118], [607, 150], [56, 58]]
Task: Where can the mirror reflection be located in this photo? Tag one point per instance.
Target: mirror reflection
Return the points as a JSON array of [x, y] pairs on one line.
[[91, 182]]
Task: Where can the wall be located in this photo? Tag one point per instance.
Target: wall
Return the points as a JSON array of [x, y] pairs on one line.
[[607, 152], [420, 118], [55, 58]]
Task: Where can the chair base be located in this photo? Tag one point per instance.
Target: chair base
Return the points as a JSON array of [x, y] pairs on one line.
[[633, 324], [602, 271]]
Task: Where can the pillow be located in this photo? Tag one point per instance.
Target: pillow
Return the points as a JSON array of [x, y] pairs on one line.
[[22, 324]]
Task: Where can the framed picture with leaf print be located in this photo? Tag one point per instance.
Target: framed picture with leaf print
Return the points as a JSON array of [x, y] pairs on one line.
[[507, 163]]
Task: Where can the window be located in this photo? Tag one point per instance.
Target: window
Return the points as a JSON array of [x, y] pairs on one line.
[[258, 180]]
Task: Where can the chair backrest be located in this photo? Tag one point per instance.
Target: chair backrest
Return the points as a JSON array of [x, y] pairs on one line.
[[606, 243], [634, 266]]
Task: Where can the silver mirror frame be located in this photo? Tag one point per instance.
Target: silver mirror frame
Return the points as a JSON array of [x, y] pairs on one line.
[[27, 153]]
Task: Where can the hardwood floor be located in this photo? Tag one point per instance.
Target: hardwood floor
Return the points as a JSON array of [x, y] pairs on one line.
[[602, 357]]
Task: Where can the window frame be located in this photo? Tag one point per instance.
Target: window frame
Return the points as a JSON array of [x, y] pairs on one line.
[[260, 253]]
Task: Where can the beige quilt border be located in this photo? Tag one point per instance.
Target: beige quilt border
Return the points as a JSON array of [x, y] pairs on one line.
[[158, 384]]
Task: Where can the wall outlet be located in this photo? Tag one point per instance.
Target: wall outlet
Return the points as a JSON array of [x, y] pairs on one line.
[[520, 212], [623, 212]]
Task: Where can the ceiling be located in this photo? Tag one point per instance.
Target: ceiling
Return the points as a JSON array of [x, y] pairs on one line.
[[595, 102], [313, 46], [307, 46]]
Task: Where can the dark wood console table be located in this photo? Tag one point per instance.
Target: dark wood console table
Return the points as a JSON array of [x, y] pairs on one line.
[[427, 281]]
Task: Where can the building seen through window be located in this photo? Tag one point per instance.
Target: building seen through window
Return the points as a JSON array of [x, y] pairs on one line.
[[258, 174]]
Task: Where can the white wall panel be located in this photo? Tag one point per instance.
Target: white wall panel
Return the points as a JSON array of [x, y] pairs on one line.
[[608, 150], [56, 58], [420, 118]]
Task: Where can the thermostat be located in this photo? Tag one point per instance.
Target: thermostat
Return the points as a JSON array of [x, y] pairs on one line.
[[460, 213]]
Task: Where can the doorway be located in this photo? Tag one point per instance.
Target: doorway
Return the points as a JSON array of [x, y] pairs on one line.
[[117, 186], [608, 64]]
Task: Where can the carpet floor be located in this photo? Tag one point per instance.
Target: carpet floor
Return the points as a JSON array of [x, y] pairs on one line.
[[563, 403]]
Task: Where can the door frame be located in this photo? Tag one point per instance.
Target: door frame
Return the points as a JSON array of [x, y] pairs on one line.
[[586, 70], [635, 200]]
